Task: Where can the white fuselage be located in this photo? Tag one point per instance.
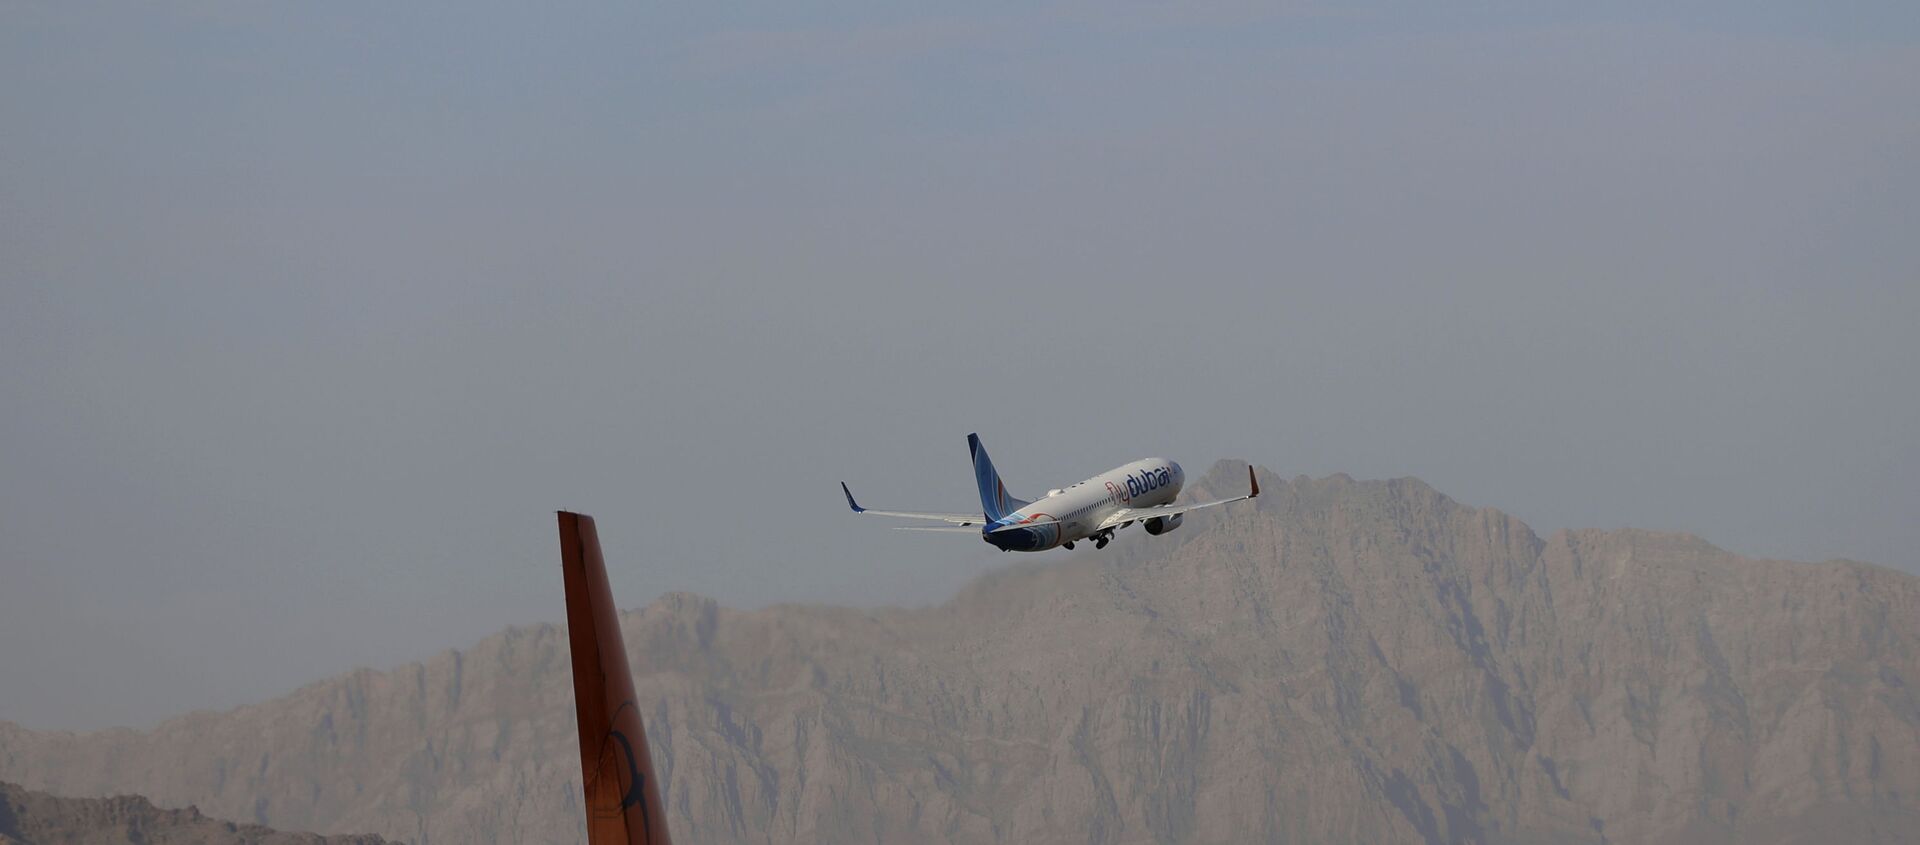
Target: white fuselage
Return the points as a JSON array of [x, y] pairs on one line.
[[1076, 512]]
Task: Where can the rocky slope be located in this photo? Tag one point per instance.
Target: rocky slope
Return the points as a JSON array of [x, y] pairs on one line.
[[36, 818], [1340, 661]]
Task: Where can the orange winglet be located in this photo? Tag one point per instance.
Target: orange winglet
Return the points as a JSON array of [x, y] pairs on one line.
[[623, 796], [1252, 482]]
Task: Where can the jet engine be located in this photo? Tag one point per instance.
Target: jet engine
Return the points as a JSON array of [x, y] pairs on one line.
[[1162, 524]]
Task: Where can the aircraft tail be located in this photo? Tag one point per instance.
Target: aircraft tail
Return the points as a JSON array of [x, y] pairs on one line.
[[993, 494], [623, 796]]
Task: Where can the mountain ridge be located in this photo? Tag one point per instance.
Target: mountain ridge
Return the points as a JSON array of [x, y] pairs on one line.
[[1341, 659], [28, 817]]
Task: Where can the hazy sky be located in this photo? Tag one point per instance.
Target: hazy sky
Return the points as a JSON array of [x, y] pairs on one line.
[[311, 314]]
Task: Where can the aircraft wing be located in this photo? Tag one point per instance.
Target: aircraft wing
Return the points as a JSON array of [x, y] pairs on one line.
[[1126, 515], [955, 518]]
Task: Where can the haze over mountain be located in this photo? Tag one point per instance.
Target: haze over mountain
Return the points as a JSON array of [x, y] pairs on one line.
[[310, 312], [1339, 660]]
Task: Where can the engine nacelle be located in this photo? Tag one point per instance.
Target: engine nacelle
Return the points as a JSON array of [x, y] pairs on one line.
[[1162, 524]]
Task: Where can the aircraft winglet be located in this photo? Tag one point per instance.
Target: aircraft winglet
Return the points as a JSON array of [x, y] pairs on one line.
[[1251, 482], [622, 794], [850, 502]]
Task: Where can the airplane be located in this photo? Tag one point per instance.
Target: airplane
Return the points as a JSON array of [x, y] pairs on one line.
[[1142, 491], [623, 805], [623, 796]]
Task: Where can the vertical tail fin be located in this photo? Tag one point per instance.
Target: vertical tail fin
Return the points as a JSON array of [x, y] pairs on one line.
[[623, 797], [993, 494]]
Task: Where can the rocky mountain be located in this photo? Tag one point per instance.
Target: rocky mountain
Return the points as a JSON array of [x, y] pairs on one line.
[[36, 818], [1337, 661]]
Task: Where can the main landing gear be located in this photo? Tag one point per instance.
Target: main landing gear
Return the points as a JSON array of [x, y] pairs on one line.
[[1099, 540]]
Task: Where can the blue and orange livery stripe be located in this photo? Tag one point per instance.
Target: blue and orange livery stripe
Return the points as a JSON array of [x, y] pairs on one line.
[[994, 498]]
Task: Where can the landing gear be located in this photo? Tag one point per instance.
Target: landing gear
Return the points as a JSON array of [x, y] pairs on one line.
[[1100, 540], [1068, 545]]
